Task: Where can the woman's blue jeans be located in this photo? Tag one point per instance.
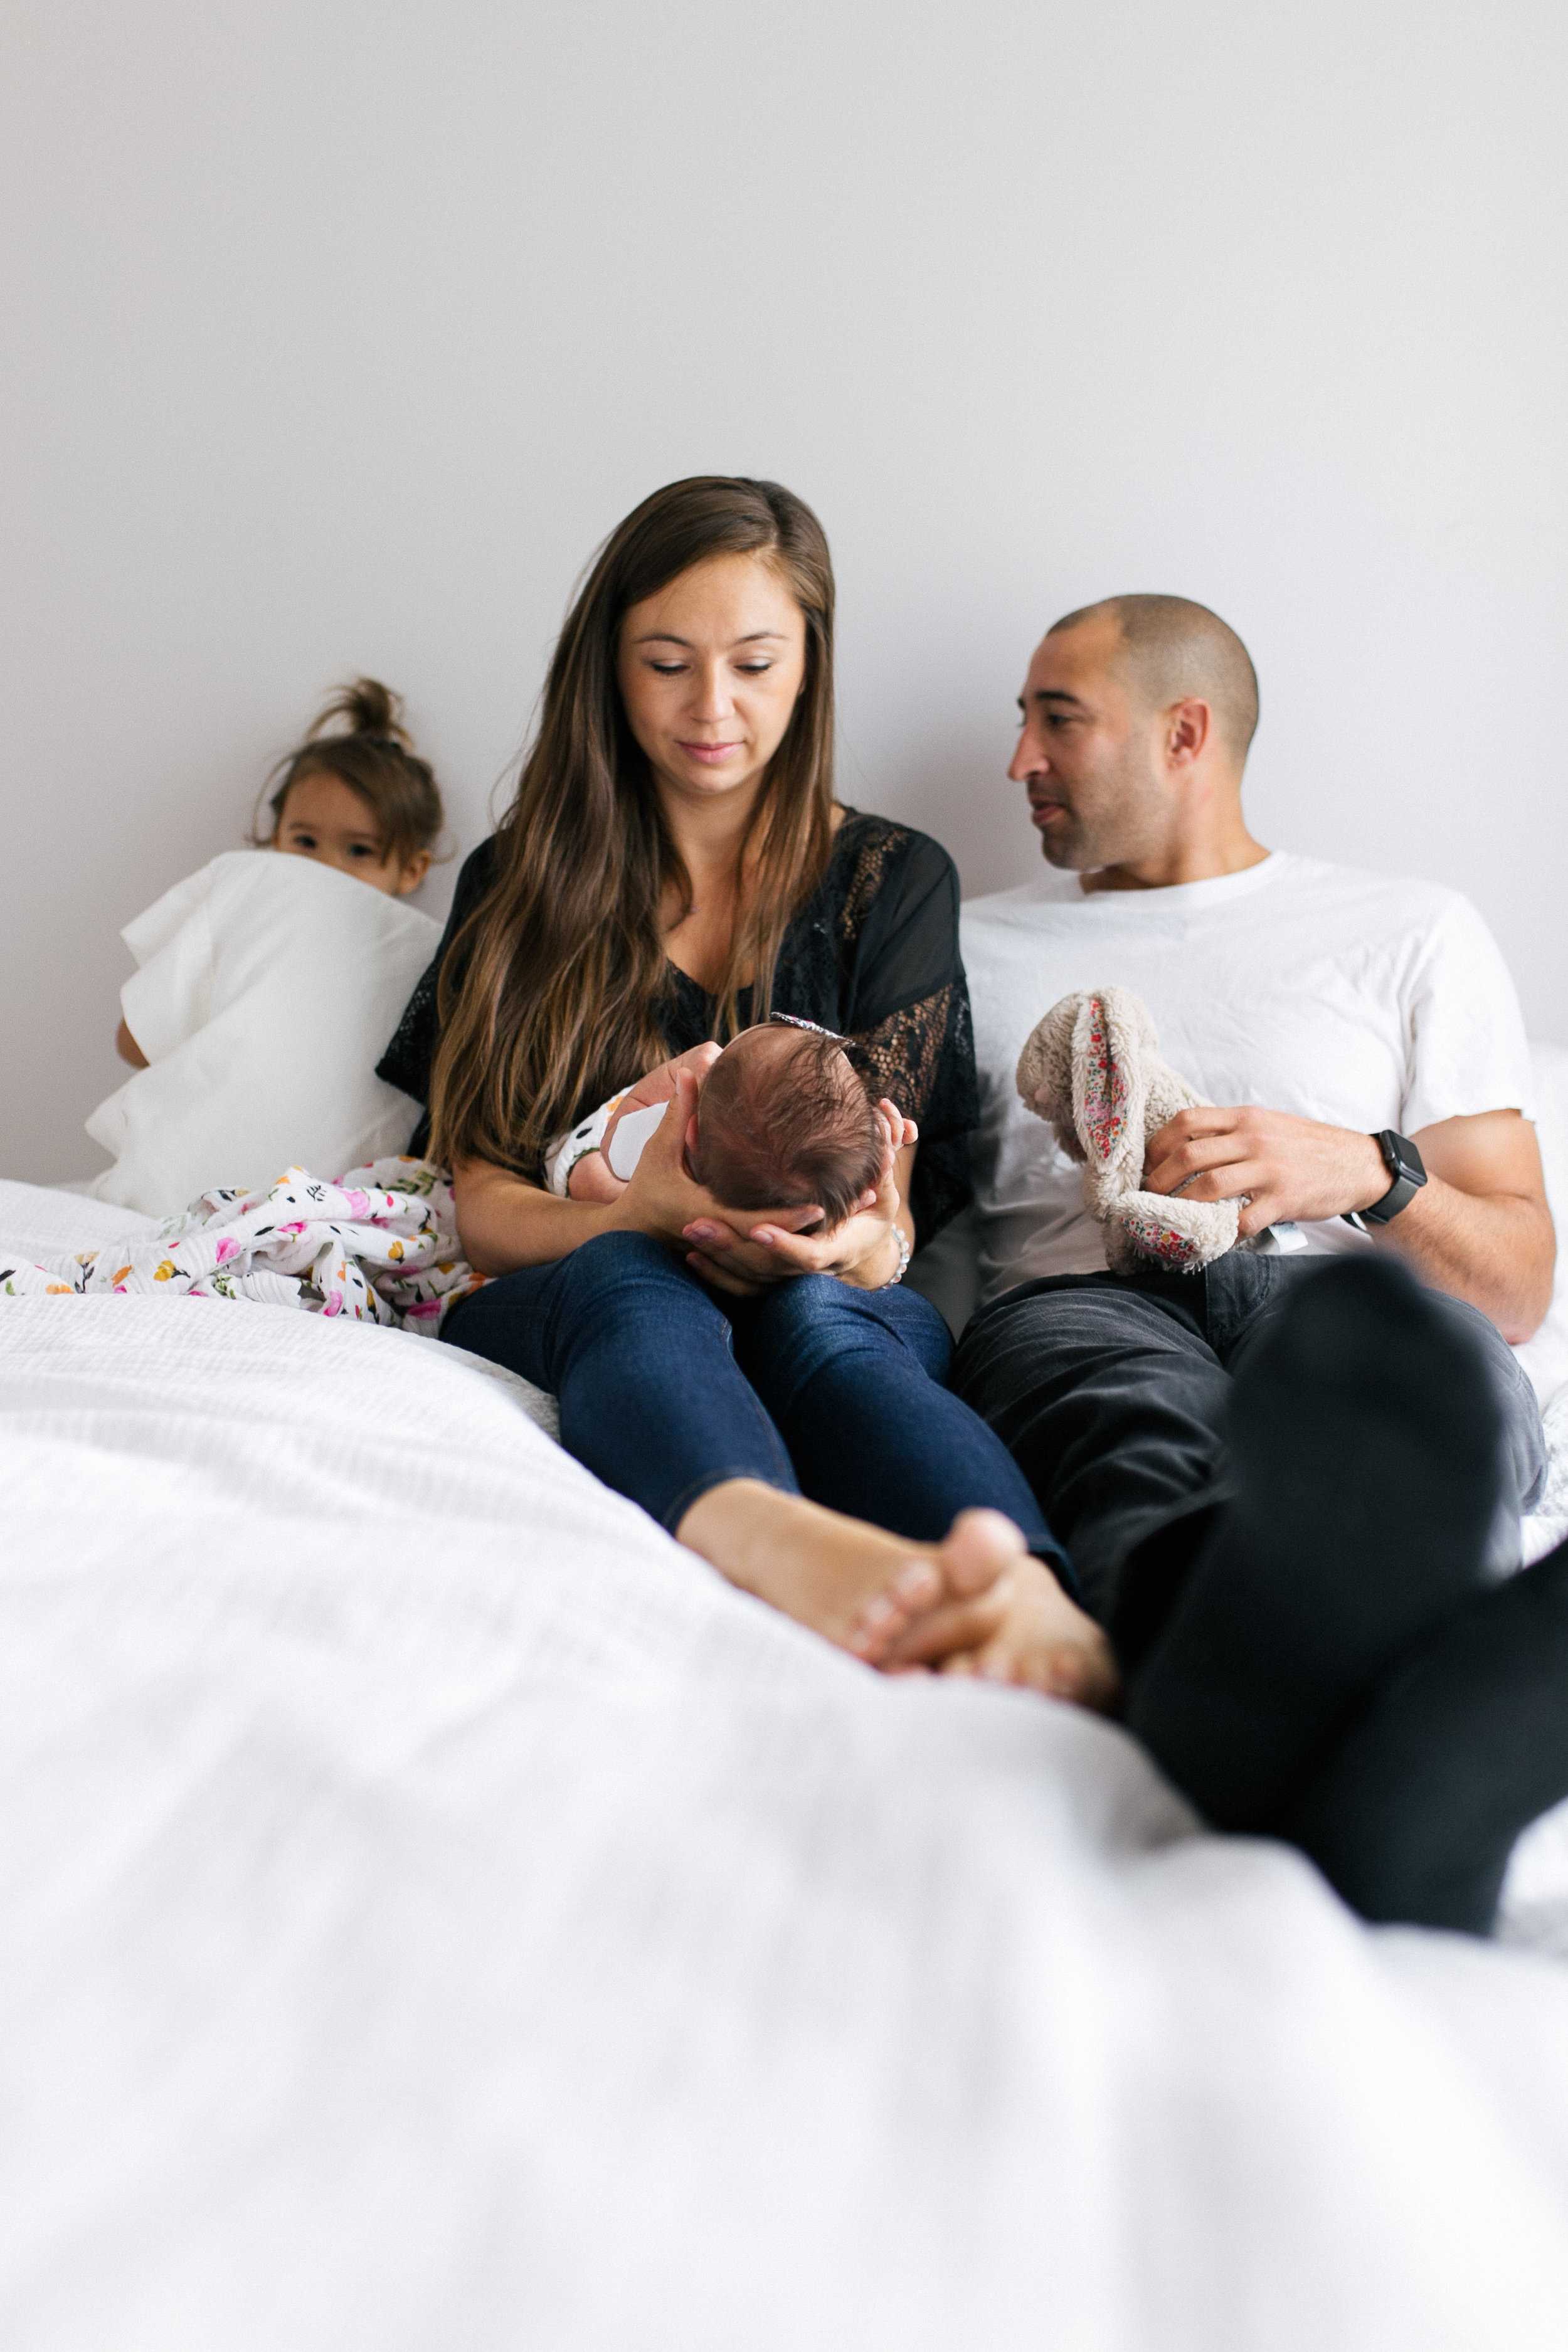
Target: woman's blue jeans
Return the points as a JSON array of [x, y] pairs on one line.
[[815, 1387]]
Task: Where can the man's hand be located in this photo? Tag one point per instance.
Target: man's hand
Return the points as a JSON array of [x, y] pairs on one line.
[[1478, 1228], [1291, 1169]]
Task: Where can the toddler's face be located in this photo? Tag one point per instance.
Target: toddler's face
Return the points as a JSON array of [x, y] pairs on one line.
[[326, 819]]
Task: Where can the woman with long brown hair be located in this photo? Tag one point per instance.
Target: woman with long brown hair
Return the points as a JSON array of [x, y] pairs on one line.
[[674, 868]]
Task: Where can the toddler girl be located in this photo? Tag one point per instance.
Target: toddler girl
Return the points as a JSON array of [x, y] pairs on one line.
[[358, 798], [267, 987]]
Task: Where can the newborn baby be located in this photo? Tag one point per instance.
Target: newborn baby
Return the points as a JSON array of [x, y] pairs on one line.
[[782, 1122]]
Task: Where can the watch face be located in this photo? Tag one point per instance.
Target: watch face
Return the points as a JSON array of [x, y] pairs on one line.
[[1402, 1159]]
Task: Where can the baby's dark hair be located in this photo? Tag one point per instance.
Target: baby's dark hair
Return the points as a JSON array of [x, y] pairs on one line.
[[780, 1124], [374, 756]]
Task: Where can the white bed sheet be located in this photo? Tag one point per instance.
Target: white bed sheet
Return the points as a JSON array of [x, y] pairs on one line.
[[438, 1912]]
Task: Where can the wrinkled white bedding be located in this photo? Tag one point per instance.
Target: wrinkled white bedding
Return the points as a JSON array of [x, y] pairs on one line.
[[436, 1912]]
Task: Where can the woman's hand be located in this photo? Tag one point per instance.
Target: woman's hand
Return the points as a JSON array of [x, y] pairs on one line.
[[743, 1254], [663, 1199], [592, 1178], [659, 1087]]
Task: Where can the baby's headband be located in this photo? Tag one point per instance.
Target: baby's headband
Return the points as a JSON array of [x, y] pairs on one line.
[[793, 1021]]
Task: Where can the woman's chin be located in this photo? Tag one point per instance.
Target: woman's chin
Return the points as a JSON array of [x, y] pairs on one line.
[[703, 780]]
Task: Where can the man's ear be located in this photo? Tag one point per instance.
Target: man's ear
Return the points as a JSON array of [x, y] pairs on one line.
[[1189, 728]]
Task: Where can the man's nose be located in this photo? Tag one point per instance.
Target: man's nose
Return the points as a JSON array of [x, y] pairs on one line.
[[1028, 760]]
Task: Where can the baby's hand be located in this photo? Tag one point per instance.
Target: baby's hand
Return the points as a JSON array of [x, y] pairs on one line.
[[591, 1179]]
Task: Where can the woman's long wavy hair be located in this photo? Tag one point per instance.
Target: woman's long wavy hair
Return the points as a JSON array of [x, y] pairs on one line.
[[552, 992]]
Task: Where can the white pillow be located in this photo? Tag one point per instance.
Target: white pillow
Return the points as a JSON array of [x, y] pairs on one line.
[[268, 991]]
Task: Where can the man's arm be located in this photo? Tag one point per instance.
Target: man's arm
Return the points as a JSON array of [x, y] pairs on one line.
[[1479, 1228]]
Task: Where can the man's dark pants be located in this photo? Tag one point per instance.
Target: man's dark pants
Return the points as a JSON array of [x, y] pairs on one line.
[[1109, 1391]]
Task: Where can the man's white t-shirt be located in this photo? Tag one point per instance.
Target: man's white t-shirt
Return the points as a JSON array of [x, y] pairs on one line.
[[1348, 997]]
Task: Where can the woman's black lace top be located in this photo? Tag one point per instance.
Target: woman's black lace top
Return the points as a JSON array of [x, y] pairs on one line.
[[873, 953]]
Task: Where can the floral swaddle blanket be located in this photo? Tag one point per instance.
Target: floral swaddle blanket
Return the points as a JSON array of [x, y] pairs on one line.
[[379, 1245]]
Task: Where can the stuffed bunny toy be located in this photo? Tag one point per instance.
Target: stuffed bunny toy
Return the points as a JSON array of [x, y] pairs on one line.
[[1092, 1071]]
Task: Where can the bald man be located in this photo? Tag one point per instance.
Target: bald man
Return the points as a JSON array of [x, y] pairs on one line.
[[1360, 1034]]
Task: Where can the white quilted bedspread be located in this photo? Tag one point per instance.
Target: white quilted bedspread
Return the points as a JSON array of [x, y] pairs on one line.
[[437, 1914]]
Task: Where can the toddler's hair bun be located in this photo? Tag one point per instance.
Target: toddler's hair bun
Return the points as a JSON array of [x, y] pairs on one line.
[[370, 708], [374, 756]]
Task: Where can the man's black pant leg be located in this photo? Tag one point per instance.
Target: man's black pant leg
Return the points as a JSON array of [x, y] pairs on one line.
[[1238, 1309], [1110, 1392], [1111, 1400]]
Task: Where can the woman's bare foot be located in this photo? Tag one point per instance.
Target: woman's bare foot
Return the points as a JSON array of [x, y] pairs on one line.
[[1024, 1630], [855, 1584]]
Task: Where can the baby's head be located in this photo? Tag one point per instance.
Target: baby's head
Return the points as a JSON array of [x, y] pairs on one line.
[[782, 1120], [359, 798]]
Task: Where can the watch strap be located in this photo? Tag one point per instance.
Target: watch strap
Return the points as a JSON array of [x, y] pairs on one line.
[[1404, 1163]]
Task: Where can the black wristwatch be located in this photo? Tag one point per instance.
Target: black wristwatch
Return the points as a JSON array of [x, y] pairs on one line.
[[1405, 1165]]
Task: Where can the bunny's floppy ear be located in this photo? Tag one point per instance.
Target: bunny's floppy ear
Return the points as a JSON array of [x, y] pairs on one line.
[[1110, 1086], [1045, 1073]]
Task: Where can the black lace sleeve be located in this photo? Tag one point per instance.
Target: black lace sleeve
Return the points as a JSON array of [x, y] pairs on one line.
[[906, 1017], [410, 1057]]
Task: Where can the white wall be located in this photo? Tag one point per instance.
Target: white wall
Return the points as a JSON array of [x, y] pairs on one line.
[[334, 336]]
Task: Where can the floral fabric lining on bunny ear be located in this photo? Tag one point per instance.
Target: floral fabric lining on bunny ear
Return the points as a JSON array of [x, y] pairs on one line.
[[1091, 1070]]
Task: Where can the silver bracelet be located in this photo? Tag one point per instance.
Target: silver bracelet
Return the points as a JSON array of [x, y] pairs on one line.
[[905, 1253]]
